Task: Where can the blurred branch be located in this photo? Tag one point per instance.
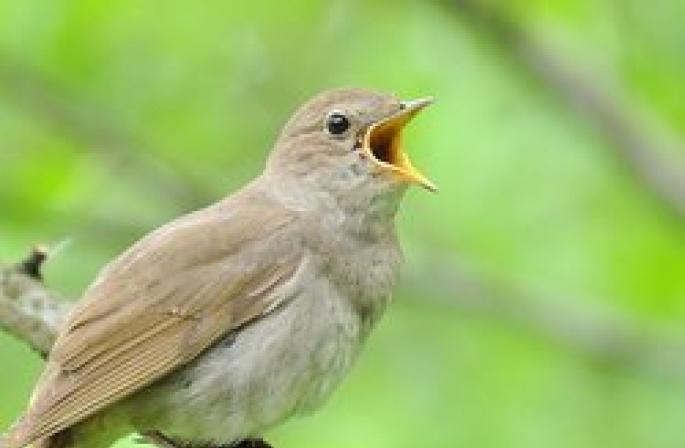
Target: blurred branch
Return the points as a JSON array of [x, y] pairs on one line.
[[28, 311], [602, 336], [52, 104], [642, 153]]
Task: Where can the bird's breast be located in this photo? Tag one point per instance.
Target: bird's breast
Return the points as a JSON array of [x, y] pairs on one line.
[[286, 363], [366, 274]]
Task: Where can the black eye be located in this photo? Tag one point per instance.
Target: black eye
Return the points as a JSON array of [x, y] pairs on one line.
[[337, 123]]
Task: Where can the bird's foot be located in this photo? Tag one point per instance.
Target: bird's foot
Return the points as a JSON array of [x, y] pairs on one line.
[[252, 443], [159, 440]]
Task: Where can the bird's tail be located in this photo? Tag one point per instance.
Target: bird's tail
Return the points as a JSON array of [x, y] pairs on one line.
[[20, 435], [12, 438], [62, 439]]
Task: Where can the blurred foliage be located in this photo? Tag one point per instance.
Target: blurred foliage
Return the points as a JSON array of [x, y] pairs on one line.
[[94, 95]]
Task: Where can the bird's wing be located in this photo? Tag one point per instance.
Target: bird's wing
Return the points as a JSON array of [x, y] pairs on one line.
[[159, 305]]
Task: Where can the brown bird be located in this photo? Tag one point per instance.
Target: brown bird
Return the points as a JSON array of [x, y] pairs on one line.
[[228, 320]]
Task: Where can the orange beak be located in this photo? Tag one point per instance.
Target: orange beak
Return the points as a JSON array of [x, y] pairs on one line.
[[383, 143]]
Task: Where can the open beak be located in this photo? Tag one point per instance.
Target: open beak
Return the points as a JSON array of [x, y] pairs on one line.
[[382, 141]]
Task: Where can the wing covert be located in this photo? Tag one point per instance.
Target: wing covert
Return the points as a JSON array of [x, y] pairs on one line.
[[162, 303]]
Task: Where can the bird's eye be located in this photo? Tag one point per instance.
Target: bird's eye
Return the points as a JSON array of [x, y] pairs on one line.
[[337, 123]]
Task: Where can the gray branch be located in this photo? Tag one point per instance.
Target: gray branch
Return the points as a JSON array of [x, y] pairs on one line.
[[28, 311], [604, 336], [53, 105], [648, 157]]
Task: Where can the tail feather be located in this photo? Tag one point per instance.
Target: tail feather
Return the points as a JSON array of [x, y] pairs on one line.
[[91, 433], [19, 435], [16, 439]]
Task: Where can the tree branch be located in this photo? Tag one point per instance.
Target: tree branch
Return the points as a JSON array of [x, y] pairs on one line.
[[28, 311], [645, 155], [606, 337], [48, 102]]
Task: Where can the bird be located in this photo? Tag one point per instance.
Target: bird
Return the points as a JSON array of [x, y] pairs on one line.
[[227, 321]]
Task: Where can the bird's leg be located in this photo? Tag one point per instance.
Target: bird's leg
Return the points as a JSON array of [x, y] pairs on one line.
[[252, 443], [159, 440]]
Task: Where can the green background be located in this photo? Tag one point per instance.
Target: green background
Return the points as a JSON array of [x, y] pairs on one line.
[[116, 117]]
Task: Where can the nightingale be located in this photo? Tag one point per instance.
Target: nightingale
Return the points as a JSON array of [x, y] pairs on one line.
[[226, 321]]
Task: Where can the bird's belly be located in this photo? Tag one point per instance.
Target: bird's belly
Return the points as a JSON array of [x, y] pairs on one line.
[[286, 363]]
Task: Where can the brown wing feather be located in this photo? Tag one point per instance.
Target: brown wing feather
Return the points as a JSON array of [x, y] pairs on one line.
[[159, 305]]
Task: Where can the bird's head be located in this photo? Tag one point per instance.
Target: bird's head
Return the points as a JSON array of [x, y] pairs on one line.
[[348, 143]]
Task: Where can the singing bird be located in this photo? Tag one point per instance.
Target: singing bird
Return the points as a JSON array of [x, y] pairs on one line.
[[226, 321]]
